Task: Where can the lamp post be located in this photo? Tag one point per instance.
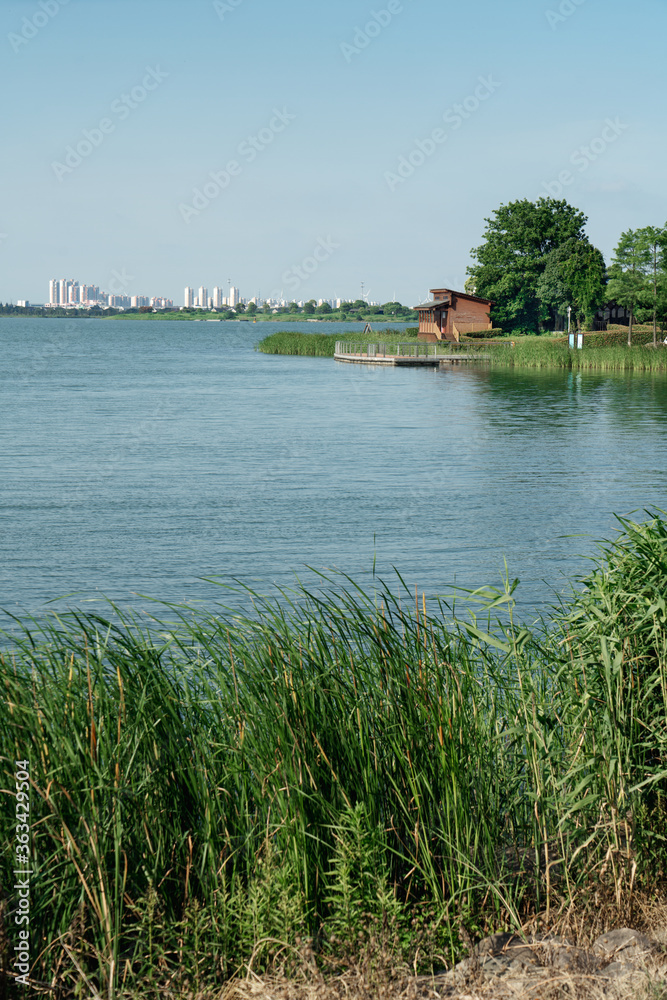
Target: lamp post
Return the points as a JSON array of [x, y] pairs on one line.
[[569, 313]]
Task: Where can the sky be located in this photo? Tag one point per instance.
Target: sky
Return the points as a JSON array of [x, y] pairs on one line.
[[305, 147]]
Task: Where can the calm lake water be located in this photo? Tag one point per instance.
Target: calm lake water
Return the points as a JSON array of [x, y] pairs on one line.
[[140, 458]]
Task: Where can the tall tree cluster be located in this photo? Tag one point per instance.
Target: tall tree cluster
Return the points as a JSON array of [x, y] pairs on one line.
[[638, 276], [536, 260]]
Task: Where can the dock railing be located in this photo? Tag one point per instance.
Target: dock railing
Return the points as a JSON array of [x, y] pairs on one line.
[[415, 349]]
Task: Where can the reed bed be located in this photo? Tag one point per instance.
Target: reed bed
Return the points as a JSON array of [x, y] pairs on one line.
[[543, 352], [335, 774], [528, 352], [323, 345]]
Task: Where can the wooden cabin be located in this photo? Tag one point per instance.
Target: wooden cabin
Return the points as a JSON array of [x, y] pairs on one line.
[[451, 315]]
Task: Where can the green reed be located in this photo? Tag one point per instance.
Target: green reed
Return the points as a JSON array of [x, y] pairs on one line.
[[335, 765], [544, 352], [323, 345]]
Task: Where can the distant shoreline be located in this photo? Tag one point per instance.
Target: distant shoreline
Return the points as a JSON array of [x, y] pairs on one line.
[[208, 318], [261, 318]]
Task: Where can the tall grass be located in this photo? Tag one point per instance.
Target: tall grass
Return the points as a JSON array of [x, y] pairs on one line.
[[528, 352], [543, 352], [323, 345], [335, 767]]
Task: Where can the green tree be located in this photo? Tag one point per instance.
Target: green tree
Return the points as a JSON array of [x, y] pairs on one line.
[[654, 241], [575, 275], [251, 309], [511, 260], [627, 274], [324, 309], [293, 307], [661, 301], [309, 307]]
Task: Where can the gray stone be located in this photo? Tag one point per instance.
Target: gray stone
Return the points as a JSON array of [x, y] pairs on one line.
[[624, 944], [494, 944], [567, 958], [617, 970], [508, 960]]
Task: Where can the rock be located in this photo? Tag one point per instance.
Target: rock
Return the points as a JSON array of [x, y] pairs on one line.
[[624, 944], [494, 944], [509, 961], [617, 970], [567, 958]]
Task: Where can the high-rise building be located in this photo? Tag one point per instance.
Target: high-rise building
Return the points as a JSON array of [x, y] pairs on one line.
[[234, 297], [203, 298], [189, 298], [53, 292], [118, 301], [218, 298]]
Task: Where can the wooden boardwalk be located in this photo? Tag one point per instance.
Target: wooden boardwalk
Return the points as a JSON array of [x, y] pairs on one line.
[[402, 355]]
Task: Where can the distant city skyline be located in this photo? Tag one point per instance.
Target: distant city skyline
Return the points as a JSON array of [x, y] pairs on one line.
[[71, 293], [334, 152]]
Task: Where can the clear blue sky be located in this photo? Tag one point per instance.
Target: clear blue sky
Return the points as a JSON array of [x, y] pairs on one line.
[[327, 176]]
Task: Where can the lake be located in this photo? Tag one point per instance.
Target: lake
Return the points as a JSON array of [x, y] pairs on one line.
[[148, 457]]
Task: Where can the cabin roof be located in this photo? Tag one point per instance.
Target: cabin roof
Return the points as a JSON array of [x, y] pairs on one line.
[[442, 292], [433, 302]]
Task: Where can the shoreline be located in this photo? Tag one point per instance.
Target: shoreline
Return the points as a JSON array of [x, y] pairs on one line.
[[215, 318], [528, 353]]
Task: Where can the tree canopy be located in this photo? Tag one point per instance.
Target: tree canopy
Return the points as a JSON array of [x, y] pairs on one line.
[[627, 274], [574, 274], [519, 241]]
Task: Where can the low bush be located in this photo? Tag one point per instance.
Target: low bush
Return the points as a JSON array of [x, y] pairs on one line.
[[619, 338], [483, 334]]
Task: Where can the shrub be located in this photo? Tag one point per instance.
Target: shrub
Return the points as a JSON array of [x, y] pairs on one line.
[[483, 334]]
